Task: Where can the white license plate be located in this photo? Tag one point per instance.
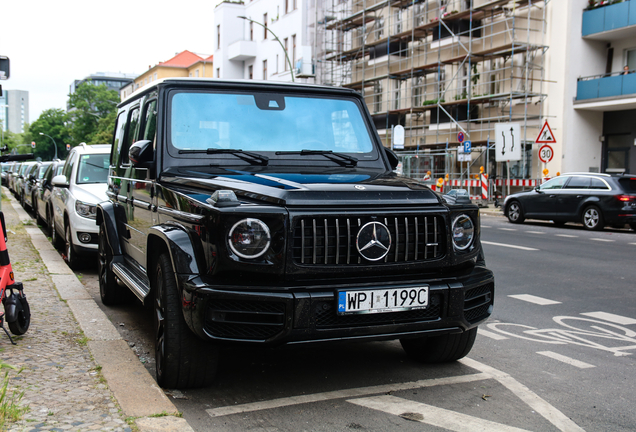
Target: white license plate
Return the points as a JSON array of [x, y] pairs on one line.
[[382, 300]]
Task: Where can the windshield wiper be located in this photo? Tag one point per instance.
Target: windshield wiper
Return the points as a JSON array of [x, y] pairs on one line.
[[339, 158], [245, 155]]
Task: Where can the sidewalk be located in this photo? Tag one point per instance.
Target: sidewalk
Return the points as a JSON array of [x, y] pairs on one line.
[[79, 374]]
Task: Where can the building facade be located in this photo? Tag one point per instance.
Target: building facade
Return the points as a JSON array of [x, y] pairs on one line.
[[112, 80], [14, 110]]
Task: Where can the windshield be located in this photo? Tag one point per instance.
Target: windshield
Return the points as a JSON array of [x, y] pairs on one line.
[[267, 122], [93, 168]]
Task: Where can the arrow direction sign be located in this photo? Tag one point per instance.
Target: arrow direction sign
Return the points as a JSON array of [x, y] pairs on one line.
[[507, 142]]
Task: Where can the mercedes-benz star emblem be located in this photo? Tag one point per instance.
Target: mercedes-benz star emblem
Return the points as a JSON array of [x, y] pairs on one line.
[[373, 241]]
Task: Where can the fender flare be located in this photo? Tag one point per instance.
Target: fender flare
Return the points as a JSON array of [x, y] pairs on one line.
[[185, 259], [105, 216]]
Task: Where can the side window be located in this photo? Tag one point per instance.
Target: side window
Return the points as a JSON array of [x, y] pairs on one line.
[[68, 166], [598, 184], [555, 183], [578, 182], [131, 134], [118, 139], [48, 174], [150, 121]]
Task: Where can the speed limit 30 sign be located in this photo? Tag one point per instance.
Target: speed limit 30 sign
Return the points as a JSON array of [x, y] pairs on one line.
[[546, 153]]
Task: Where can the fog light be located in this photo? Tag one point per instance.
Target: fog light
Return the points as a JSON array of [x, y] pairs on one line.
[[84, 237]]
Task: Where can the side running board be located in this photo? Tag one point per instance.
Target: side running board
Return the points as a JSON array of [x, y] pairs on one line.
[[137, 283]]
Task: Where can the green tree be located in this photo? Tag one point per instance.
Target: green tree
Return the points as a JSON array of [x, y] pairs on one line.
[[92, 113], [52, 122]]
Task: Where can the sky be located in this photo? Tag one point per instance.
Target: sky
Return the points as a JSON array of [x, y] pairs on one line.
[[51, 43]]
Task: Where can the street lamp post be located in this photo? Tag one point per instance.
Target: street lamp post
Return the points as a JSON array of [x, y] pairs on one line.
[[54, 144], [291, 70]]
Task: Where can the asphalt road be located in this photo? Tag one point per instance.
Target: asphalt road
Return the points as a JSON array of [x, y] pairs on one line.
[[557, 354]]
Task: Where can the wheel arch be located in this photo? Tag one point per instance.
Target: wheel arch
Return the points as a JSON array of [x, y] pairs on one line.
[[106, 217], [178, 243], [590, 201]]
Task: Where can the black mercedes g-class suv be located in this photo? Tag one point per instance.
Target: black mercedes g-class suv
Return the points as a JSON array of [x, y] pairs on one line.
[[269, 213]]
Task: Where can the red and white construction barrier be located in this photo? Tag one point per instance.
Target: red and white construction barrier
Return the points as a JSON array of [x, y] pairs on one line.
[[513, 182], [484, 187]]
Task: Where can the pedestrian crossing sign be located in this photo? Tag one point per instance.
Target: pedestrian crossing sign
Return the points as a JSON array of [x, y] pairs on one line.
[[545, 136]]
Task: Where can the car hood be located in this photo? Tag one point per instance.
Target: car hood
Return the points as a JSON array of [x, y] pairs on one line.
[[90, 193], [310, 187]]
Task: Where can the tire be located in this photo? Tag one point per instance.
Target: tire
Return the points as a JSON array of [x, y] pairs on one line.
[[22, 200], [440, 349], [592, 218], [514, 213], [182, 359], [72, 259], [110, 291], [55, 237], [21, 325]]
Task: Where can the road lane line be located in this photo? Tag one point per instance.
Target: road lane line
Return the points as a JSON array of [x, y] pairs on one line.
[[509, 246], [341, 394], [486, 226], [536, 232], [632, 243], [567, 235], [508, 229], [534, 401], [602, 240], [490, 335], [567, 360], [611, 317], [534, 299], [434, 416]]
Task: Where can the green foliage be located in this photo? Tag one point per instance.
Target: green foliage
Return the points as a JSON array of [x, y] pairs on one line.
[[16, 141], [433, 101], [10, 409], [93, 113], [52, 122]]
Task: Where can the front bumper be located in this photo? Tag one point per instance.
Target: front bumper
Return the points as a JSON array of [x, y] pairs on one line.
[[273, 316]]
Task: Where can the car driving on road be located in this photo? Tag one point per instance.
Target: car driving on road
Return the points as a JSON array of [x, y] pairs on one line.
[[593, 199]]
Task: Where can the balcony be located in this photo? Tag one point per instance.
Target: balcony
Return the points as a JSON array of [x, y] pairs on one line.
[[610, 22], [606, 86], [241, 50]]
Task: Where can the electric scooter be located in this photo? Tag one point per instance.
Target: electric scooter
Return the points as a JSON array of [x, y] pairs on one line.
[[16, 313]]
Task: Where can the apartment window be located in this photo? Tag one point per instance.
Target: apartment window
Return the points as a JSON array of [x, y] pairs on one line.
[[276, 63], [398, 20], [250, 72], [377, 96], [218, 36], [196, 73], [295, 4], [630, 58], [293, 50], [379, 28], [264, 69], [155, 75], [286, 44], [251, 31], [218, 72], [418, 87], [286, 6], [265, 24], [397, 93]]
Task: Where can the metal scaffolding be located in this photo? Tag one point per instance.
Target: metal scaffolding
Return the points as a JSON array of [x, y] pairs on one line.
[[440, 67]]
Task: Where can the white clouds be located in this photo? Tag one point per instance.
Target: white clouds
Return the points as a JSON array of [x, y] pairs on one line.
[[52, 43]]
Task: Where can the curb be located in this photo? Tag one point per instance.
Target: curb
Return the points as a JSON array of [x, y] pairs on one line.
[[131, 384]]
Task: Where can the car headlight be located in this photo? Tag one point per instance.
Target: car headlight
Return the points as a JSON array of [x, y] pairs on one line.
[[85, 210], [463, 232], [249, 238]]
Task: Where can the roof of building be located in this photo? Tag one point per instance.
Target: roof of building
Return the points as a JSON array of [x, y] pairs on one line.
[[183, 59]]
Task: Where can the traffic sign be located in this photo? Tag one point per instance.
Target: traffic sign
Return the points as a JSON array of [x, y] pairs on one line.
[[507, 142], [545, 136], [460, 137], [467, 146], [546, 153]]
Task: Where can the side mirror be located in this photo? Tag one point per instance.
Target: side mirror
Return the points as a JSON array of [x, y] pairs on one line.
[[141, 154], [60, 181], [393, 159], [538, 190]]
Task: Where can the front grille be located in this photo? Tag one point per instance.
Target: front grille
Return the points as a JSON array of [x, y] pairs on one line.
[[477, 302], [332, 240], [252, 320], [325, 315]]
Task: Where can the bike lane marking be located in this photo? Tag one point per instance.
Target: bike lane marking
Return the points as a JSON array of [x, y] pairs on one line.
[[490, 335], [509, 246], [611, 317], [440, 417], [577, 363], [534, 299]]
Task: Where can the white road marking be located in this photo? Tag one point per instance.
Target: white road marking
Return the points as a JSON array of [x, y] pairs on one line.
[[602, 240], [567, 360], [536, 232], [509, 246], [550, 413], [632, 243], [490, 335], [611, 317], [508, 229], [431, 415], [486, 226], [534, 299], [341, 394], [567, 235]]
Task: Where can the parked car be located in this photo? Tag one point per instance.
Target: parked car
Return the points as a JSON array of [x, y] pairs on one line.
[[12, 175], [31, 182], [6, 168], [76, 193], [269, 213], [593, 199], [43, 206], [20, 180]]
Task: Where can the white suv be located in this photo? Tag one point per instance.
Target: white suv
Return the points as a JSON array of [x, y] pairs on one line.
[[76, 193]]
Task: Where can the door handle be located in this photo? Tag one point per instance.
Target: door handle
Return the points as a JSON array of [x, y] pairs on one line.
[[552, 196], [579, 196]]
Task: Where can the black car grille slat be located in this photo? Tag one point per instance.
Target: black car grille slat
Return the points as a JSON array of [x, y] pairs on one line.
[[245, 319], [332, 240], [326, 317], [477, 302]]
